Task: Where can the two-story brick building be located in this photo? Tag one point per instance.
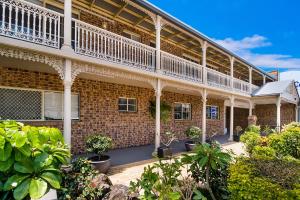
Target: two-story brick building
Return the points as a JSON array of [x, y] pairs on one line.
[[93, 66]]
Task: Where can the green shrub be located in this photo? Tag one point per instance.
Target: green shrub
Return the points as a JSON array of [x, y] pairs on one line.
[[263, 180], [78, 182], [253, 128], [98, 144], [30, 160], [165, 110], [194, 133], [262, 151], [250, 139]]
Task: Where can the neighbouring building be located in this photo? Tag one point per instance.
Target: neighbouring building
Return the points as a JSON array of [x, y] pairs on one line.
[[91, 67]]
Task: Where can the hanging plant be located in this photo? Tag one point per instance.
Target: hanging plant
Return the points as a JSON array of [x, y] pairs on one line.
[[165, 110]]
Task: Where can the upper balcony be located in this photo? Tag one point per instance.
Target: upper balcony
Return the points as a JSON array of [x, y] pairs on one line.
[[36, 24]]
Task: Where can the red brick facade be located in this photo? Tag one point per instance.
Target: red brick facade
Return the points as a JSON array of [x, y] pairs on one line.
[[99, 109]]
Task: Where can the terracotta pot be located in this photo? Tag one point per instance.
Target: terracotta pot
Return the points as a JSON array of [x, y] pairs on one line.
[[100, 163]]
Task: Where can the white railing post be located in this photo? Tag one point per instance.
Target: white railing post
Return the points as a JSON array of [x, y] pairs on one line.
[[204, 71], [231, 118]]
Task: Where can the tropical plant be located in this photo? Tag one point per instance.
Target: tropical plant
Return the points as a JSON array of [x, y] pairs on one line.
[[165, 110], [30, 160], [253, 128], [98, 144], [206, 165], [194, 133], [77, 182]]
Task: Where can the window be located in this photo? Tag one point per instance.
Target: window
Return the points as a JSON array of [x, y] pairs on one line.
[[21, 104], [182, 111], [127, 104], [132, 36], [212, 112]]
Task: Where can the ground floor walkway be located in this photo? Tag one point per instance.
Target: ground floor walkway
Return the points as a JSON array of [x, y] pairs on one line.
[[123, 174]]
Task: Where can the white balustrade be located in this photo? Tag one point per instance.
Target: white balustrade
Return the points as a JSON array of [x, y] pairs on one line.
[[178, 67], [99, 43], [218, 79], [241, 86], [30, 22]]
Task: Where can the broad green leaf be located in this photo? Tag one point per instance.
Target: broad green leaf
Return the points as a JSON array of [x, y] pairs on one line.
[[24, 167], [22, 190], [2, 142], [6, 152], [55, 135], [52, 178], [32, 135], [42, 160], [43, 135], [2, 132], [14, 181], [5, 165], [18, 139], [38, 188], [25, 150], [203, 161]]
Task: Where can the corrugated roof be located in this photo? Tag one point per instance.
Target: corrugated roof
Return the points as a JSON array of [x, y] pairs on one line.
[[273, 88]]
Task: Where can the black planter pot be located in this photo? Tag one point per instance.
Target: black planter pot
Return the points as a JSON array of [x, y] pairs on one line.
[[236, 138], [100, 163], [164, 152], [190, 145]]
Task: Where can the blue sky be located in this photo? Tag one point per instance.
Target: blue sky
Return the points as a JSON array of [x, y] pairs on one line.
[[264, 32]]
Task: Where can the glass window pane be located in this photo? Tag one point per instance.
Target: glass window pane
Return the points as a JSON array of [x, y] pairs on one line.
[[20, 104], [123, 101], [122, 107], [178, 107], [75, 106], [131, 108], [53, 105], [132, 101]]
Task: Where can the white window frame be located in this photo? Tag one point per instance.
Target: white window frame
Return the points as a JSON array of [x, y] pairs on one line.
[[43, 102], [190, 111], [218, 114], [127, 104]]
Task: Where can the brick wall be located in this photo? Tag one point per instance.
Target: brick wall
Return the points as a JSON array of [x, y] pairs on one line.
[[99, 109], [266, 114]]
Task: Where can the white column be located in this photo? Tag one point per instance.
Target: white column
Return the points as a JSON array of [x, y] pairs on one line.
[[250, 79], [264, 80], [224, 115], [204, 100], [157, 43], [278, 120], [231, 118], [297, 114], [250, 108], [67, 101], [67, 24], [231, 71], [157, 114], [204, 47]]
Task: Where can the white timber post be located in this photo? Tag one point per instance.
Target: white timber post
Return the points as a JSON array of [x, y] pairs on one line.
[[67, 25], [264, 80], [67, 101], [250, 79], [157, 114], [158, 28], [231, 118], [250, 108], [231, 71], [204, 71], [204, 100], [278, 117], [297, 114]]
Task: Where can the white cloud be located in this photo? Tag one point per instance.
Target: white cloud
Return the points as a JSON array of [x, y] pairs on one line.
[[245, 47]]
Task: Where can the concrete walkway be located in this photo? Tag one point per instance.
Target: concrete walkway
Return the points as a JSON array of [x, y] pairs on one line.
[[130, 172]]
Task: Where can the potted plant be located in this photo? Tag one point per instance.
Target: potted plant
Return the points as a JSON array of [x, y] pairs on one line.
[[165, 151], [98, 144], [237, 135], [194, 134]]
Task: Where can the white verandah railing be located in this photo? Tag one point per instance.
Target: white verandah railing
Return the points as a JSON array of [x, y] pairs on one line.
[[218, 79], [26, 21], [99, 43], [241, 86], [178, 67]]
